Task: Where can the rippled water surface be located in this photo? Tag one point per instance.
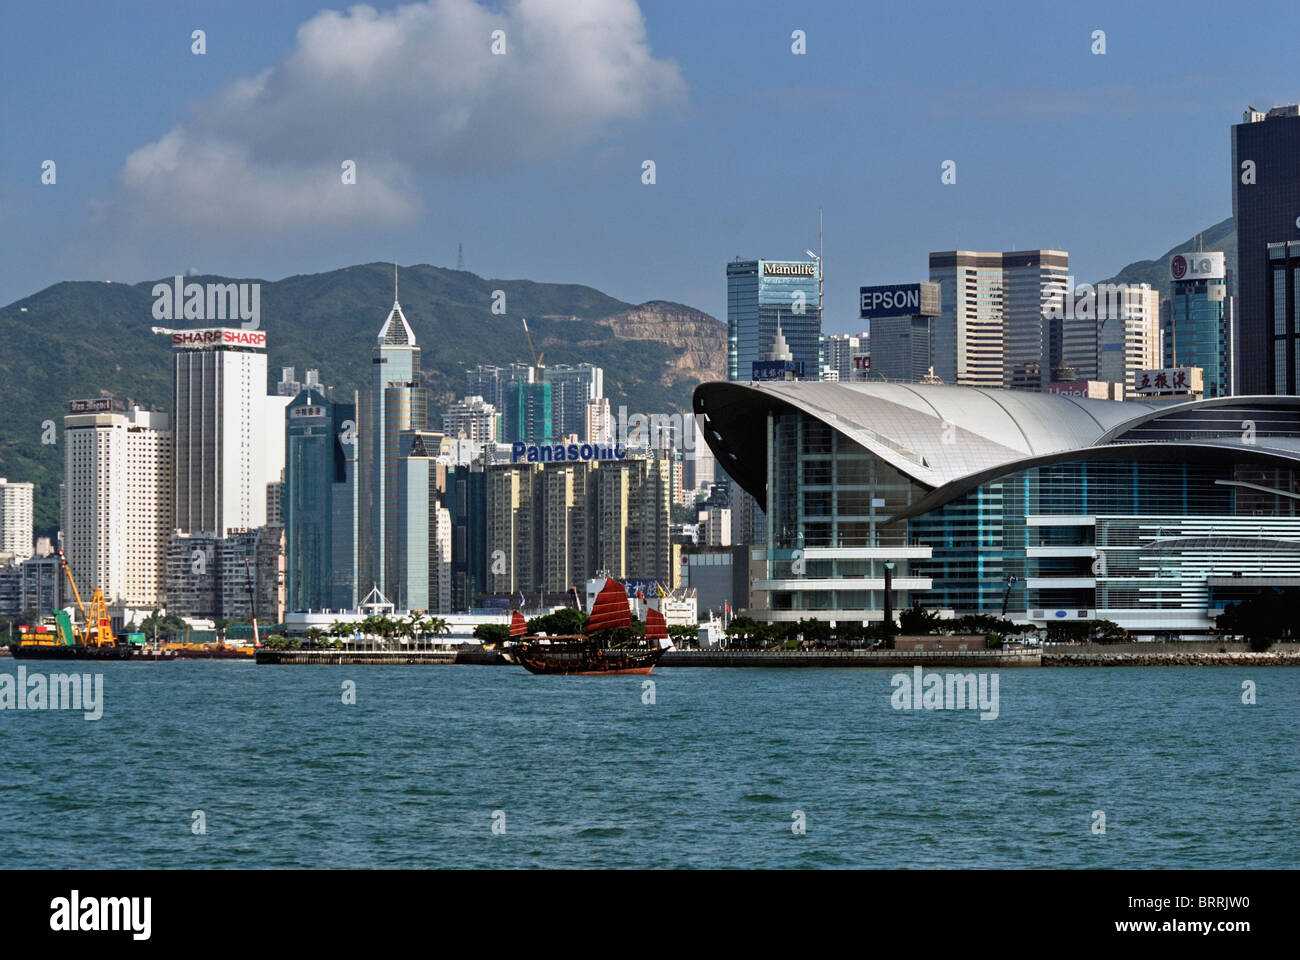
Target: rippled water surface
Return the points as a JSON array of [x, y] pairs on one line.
[[581, 772]]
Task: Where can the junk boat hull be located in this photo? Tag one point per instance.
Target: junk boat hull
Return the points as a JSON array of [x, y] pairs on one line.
[[581, 660]]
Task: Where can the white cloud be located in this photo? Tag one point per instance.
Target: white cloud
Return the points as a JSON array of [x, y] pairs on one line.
[[416, 89]]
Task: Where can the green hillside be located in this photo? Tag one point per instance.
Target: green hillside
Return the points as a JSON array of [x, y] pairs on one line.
[[1222, 237], [78, 339]]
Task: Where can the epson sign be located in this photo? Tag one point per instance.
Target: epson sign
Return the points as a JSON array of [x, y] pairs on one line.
[[900, 300]]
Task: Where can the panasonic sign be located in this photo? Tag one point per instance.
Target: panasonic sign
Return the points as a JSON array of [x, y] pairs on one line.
[[900, 300]]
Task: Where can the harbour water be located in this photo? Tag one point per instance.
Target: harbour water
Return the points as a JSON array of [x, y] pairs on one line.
[[582, 772]]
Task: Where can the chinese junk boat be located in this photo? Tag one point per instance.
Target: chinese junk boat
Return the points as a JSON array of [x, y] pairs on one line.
[[599, 649]]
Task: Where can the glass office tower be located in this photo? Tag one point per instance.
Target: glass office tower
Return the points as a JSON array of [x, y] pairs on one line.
[[762, 294], [1199, 330], [317, 503], [1266, 208]]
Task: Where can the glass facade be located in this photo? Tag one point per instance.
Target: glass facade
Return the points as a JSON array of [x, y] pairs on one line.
[[1139, 540], [1265, 204], [1200, 333], [317, 504], [762, 294]]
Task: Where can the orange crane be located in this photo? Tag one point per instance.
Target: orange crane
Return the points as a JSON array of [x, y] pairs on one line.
[[98, 629]]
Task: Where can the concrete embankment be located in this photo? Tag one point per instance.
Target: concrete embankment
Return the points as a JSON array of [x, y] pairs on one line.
[[1057, 655], [1206, 659], [369, 657], [850, 658]]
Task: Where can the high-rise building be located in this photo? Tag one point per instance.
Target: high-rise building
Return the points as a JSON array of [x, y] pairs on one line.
[[599, 424], [901, 318], [765, 294], [572, 388], [994, 328], [422, 533], [1199, 331], [1032, 282], [1265, 208], [117, 502], [16, 518], [466, 504], [394, 407], [489, 382], [472, 418], [528, 415], [223, 577], [317, 504], [228, 433], [844, 353], [554, 525], [1128, 335], [1110, 332]]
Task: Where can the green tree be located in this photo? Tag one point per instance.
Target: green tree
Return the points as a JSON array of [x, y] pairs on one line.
[[565, 622], [492, 633], [916, 620]]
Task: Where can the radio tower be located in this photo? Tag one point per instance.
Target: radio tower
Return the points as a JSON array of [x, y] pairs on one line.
[[460, 256]]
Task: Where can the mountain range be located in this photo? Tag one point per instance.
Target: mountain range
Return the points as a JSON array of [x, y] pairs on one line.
[[82, 339], [85, 339]]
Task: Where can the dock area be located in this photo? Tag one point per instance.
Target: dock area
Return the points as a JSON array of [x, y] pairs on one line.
[[1052, 655], [851, 658], [367, 657]]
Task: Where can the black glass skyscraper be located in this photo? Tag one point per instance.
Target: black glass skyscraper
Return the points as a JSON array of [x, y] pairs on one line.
[[1266, 207]]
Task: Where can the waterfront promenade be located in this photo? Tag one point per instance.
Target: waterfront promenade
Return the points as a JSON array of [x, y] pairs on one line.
[[1051, 655]]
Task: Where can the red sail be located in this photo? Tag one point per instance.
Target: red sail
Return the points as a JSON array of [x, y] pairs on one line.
[[518, 626], [656, 627], [610, 609]]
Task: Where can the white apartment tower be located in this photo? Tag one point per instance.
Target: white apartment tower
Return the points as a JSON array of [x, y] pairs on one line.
[[16, 518], [472, 418], [229, 434], [117, 503]]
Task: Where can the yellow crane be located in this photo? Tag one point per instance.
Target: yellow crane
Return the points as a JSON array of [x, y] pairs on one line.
[[537, 357], [98, 628]]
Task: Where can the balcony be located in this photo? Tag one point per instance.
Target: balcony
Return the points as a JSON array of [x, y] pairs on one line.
[[844, 583]]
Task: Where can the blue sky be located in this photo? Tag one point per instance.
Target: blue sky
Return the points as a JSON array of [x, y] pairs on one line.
[[168, 161]]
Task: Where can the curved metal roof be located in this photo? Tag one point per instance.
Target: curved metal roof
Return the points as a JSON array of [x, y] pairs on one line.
[[948, 438]]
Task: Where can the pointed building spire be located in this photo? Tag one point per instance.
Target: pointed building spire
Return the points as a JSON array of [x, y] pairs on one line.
[[396, 331]]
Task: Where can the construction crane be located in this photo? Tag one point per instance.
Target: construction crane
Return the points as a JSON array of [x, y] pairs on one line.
[[537, 357], [98, 629]]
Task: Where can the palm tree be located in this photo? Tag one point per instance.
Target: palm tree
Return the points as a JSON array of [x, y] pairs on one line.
[[437, 626], [415, 625]]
